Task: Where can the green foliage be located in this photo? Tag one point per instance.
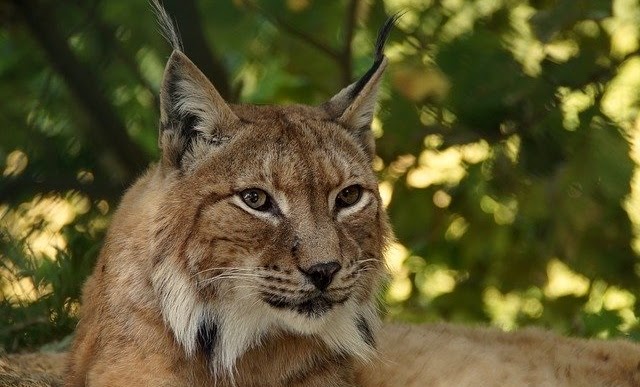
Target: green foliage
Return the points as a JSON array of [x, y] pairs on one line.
[[41, 293], [506, 132]]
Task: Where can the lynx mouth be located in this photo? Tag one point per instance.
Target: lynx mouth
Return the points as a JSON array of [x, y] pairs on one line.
[[312, 307]]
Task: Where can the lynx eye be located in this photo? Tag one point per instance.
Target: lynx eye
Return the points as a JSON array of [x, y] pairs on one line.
[[256, 199], [348, 196]]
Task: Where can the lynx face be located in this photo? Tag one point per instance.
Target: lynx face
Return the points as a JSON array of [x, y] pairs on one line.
[[297, 223], [271, 221], [286, 217]]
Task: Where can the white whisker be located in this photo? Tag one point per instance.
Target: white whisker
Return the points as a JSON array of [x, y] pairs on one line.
[[226, 269]]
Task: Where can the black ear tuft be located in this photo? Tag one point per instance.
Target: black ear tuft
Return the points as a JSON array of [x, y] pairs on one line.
[[383, 34], [378, 57], [353, 107]]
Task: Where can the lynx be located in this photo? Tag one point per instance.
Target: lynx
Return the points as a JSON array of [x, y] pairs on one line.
[[251, 255]]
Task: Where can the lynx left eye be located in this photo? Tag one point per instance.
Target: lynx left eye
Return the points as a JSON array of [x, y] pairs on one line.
[[348, 196], [256, 199]]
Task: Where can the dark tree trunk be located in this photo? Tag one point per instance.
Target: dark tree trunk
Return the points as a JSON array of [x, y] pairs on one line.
[[110, 133], [187, 18]]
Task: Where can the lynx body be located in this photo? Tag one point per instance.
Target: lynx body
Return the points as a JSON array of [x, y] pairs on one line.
[[250, 254]]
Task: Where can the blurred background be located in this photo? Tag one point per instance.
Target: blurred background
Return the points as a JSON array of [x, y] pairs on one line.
[[507, 144]]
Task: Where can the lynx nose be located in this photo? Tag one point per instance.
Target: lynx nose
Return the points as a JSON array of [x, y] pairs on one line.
[[321, 274]]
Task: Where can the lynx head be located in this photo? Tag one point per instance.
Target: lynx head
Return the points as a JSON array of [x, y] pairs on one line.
[[269, 221]]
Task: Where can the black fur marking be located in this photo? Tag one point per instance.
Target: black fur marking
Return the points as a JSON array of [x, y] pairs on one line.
[[187, 123], [277, 302], [207, 338], [365, 331], [313, 307], [383, 35], [183, 123], [295, 247], [245, 121]]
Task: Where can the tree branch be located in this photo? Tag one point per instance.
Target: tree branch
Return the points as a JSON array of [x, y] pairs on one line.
[[18, 188], [346, 54], [291, 30], [108, 34], [109, 130], [196, 46]]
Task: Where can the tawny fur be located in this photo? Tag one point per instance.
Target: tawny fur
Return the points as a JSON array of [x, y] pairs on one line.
[[194, 287], [437, 355], [169, 220]]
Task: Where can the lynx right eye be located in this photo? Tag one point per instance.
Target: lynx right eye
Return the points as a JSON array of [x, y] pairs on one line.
[[256, 199], [348, 196]]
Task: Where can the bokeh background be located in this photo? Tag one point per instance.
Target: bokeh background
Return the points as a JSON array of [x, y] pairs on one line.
[[507, 144]]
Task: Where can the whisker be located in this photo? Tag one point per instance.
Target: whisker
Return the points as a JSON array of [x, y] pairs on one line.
[[237, 276], [232, 275], [368, 260], [225, 268]]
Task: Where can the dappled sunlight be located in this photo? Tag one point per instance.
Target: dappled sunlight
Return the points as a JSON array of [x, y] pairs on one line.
[[456, 229], [604, 297], [615, 298], [37, 225], [441, 199], [524, 45], [376, 128], [16, 162], [18, 290], [623, 27], [436, 280], [505, 308], [446, 167], [632, 202], [562, 281], [503, 212], [620, 101], [386, 192], [574, 102], [394, 256], [512, 148], [400, 286], [417, 83], [50, 214]]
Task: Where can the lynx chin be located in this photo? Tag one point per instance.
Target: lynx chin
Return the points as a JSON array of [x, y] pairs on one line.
[[251, 255]]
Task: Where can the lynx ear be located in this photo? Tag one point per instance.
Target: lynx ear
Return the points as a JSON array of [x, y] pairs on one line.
[[192, 112], [354, 105]]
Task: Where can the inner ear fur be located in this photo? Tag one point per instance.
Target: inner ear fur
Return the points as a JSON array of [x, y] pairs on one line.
[[191, 110]]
